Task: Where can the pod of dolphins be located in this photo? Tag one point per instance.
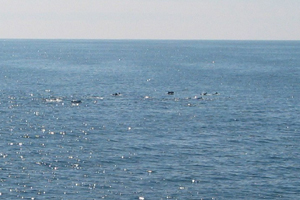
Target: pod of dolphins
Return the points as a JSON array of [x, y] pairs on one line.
[[78, 101]]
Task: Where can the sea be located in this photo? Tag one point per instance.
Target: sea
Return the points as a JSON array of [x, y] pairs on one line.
[[149, 119]]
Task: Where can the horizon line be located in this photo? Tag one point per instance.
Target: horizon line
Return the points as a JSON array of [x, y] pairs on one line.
[[149, 39]]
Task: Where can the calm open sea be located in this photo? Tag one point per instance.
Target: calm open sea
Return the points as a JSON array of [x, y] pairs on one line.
[[92, 119]]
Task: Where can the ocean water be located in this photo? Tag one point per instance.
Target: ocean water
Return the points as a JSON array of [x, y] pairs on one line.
[[230, 130]]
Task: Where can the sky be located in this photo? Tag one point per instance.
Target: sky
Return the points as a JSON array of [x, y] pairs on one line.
[[151, 19]]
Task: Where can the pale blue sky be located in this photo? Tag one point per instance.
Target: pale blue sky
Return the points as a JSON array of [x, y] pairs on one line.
[[151, 19]]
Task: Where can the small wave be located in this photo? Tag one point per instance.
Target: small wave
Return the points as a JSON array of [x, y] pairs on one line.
[[53, 100]]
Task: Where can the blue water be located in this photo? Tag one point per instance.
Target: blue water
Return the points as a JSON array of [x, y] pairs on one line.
[[230, 130]]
